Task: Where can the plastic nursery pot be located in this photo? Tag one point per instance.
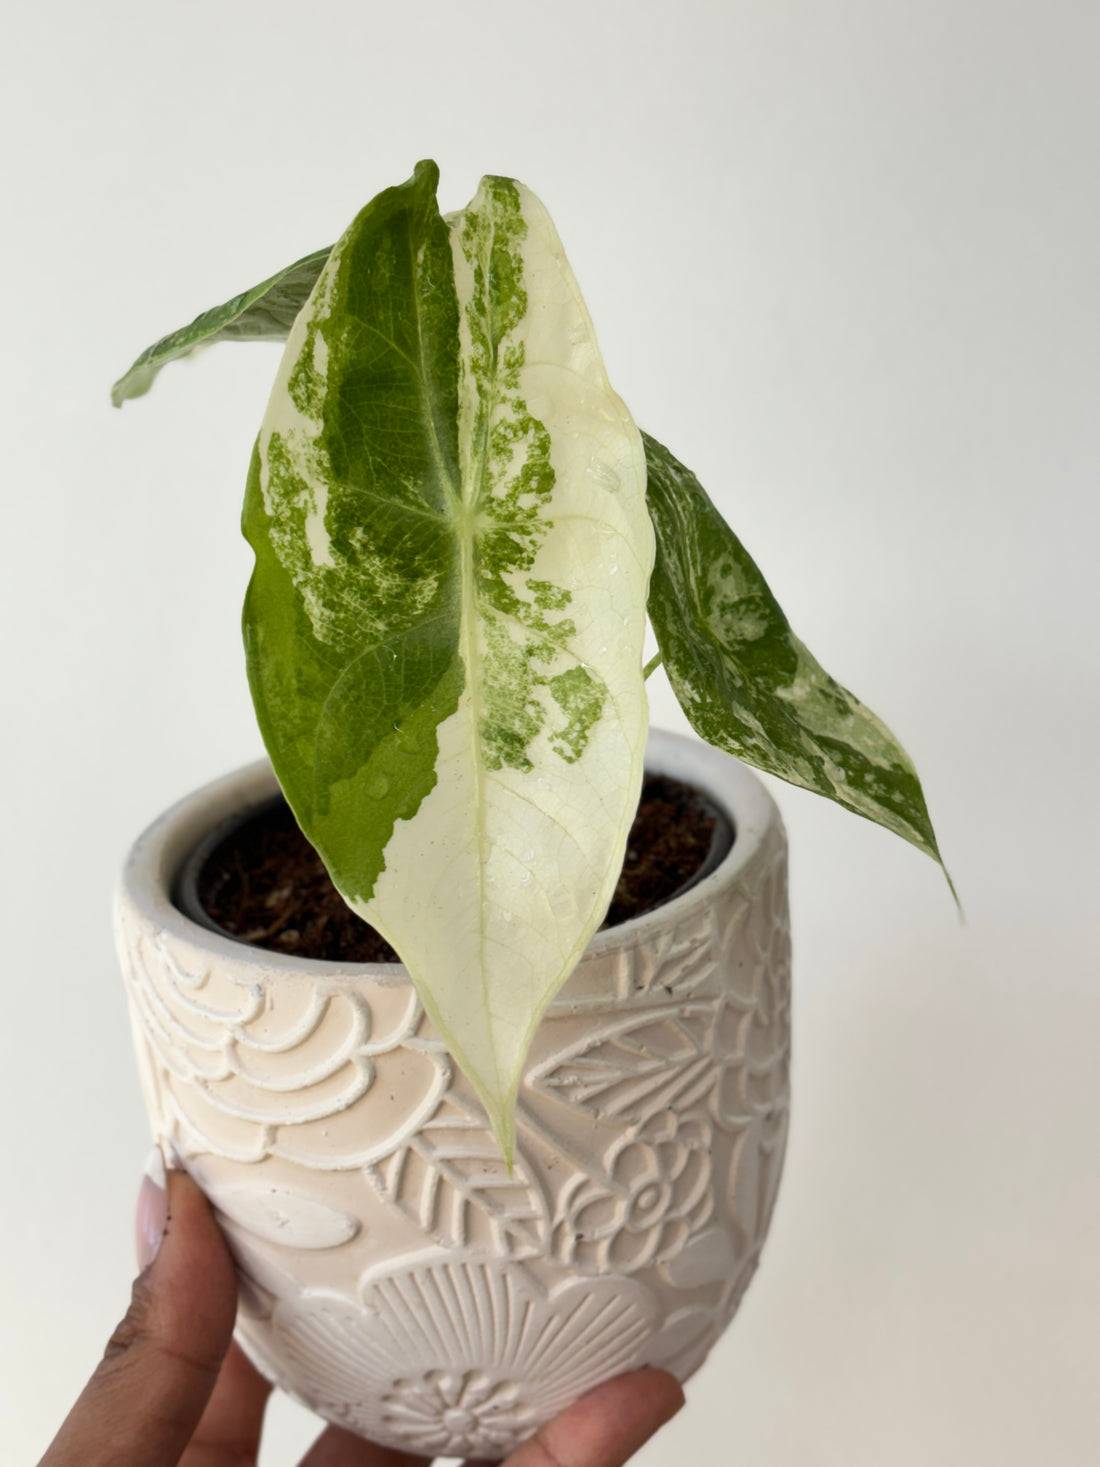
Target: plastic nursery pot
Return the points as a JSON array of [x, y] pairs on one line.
[[394, 1277]]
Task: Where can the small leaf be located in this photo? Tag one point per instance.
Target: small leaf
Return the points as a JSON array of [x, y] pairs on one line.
[[745, 681], [264, 313], [444, 627], [639, 1066], [450, 1179]]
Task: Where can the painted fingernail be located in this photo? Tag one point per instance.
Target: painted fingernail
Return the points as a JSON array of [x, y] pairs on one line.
[[152, 1209]]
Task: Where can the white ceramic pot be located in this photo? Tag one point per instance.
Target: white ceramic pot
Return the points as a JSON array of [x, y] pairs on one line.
[[394, 1276]]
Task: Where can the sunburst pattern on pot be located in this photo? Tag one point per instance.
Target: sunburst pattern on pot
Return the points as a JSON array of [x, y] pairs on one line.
[[456, 1353]]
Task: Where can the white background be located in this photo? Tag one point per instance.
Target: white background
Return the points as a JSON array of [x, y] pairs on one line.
[[842, 257]]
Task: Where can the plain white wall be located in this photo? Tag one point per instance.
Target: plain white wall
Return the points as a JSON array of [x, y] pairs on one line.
[[842, 258]]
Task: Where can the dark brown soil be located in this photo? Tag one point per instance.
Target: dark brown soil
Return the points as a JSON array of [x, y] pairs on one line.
[[266, 885]]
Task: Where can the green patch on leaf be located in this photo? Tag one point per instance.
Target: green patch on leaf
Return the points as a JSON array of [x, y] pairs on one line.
[[581, 697], [351, 618]]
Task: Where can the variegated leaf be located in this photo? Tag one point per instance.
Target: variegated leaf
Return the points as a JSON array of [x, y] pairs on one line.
[[444, 626], [452, 1181], [745, 681], [266, 312]]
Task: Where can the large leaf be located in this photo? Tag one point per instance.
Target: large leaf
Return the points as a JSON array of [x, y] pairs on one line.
[[745, 681], [444, 627], [266, 312]]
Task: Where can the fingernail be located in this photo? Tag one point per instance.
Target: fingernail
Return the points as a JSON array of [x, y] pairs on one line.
[[152, 1209]]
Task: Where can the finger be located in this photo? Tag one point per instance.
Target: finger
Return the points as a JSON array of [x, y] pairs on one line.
[[152, 1385], [338, 1448], [228, 1435], [607, 1426]]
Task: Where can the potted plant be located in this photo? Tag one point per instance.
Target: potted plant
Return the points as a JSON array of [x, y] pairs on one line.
[[464, 1187]]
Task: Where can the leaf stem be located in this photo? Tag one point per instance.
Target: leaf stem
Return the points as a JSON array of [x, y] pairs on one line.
[[652, 665]]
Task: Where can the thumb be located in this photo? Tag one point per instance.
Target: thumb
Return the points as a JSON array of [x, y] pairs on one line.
[[146, 1397]]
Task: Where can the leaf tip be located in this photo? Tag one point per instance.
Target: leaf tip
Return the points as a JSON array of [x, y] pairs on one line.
[[427, 170], [959, 908], [502, 1122], [135, 383]]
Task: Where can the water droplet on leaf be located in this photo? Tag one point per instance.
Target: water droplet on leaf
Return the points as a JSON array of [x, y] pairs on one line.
[[603, 474]]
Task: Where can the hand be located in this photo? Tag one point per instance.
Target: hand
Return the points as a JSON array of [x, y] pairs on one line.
[[173, 1389]]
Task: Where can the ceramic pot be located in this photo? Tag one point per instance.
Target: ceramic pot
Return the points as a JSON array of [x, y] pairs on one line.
[[394, 1276]]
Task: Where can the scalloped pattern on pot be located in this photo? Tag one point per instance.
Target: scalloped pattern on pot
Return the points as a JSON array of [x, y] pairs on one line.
[[395, 1276]]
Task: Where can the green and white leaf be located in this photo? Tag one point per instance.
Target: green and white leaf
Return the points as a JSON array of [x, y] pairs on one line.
[[264, 313], [444, 627], [745, 681]]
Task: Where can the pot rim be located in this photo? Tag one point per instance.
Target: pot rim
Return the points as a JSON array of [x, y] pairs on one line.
[[152, 867]]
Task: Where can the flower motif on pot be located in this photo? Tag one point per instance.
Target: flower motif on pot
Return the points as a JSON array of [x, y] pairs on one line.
[[457, 1356], [438, 1409], [656, 1194], [250, 1067]]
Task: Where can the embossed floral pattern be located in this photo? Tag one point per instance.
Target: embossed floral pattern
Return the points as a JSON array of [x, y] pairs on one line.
[[750, 1038], [395, 1275], [656, 1194], [459, 1356], [444, 1407], [246, 1069]]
